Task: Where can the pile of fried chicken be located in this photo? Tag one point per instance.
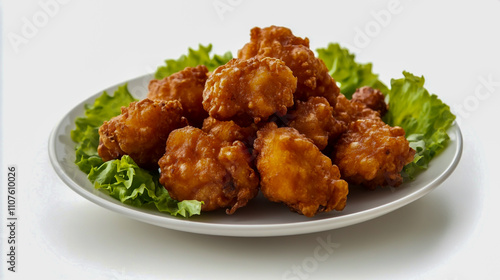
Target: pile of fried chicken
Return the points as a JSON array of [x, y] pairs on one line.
[[272, 119]]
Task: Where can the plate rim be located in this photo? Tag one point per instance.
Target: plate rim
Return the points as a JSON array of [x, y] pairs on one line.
[[244, 230]]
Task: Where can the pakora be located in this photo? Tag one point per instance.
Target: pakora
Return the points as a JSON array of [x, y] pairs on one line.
[[293, 171], [278, 42], [372, 153], [186, 86], [229, 131], [249, 90], [315, 120], [348, 111], [140, 131], [369, 152], [372, 98], [199, 166]]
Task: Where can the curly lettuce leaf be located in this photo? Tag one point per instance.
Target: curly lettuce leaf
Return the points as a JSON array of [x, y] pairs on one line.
[[86, 133], [86, 150], [192, 59], [423, 116], [104, 108], [349, 74], [122, 179]]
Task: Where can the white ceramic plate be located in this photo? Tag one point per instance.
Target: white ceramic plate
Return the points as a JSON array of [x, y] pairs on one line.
[[260, 217]]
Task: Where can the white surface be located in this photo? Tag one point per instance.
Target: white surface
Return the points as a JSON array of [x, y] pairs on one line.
[[260, 217], [85, 46]]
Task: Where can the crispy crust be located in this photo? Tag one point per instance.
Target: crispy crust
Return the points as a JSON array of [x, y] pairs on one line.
[[199, 166], [294, 172], [249, 90], [140, 131]]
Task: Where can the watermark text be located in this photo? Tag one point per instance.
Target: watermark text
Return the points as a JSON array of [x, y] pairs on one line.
[[32, 25], [311, 263]]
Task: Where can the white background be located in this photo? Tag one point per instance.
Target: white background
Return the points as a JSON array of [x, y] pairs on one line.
[[56, 55]]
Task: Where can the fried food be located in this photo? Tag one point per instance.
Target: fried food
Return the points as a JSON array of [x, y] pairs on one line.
[[265, 120], [295, 172], [315, 120], [265, 37], [371, 153], [229, 131], [199, 166], [140, 131], [347, 111], [372, 98], [187, 87], [246, 90], [311, 72]]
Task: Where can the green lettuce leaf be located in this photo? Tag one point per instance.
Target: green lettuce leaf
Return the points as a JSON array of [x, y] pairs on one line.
[[423, 116], [104, 108], [86, 133], [192, 59], [86, 150], [349, 74], [122, 179]]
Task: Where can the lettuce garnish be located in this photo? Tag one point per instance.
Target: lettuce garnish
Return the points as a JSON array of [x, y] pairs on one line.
[[132, 185], [104, 108], [122, 178], [423, 116], [192, 59], [347, 72], [86, 133]]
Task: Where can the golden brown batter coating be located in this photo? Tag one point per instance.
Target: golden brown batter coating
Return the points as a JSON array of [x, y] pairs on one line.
[[295, 172], [246, 90], [347, 111], [187, 87], [372, 153], [229, 131], [372, 98], [199, 166], [311, 72], [140, 131], [265, 37], [315, 120]]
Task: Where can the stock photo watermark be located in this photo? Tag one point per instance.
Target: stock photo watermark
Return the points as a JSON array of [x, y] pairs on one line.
[[31, 26], [484, 89], [325, 248], [222, 7], [11, 222], [379, 20]]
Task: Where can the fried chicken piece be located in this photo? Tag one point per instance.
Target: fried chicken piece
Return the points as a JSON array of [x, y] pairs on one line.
[[311, 72], [315, 120], [199, 166], [264, 37], [246, 90], [347, 111], [372, 153], [187, 87], [140, 131], [295, 172], [372, 98], [229, 131]]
